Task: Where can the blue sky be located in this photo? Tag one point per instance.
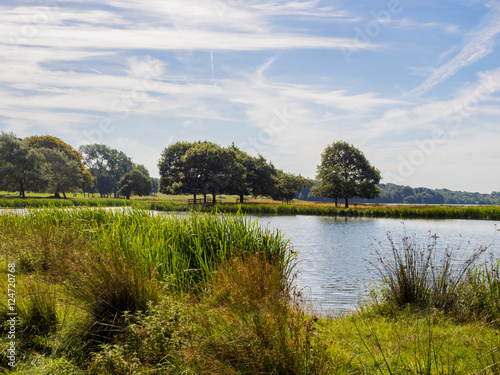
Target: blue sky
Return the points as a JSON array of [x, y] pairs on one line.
[[413, 84]]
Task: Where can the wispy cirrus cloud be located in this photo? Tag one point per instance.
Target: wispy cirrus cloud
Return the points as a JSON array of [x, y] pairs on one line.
[[480, 42]]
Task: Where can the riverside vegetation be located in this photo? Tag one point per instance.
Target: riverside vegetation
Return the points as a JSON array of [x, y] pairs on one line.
[[133, 292], [269, 207]]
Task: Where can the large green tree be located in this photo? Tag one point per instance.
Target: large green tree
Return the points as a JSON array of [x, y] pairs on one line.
[[134, 182], [345, 172], [21, 168], [210, 168], [173, 174], [107, 166], [86, 180], [65, 174]]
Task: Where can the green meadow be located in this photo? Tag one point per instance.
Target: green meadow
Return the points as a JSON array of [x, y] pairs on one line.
[[132, 292]]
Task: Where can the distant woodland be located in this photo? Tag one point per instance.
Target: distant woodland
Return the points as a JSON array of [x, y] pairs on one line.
[[392, 193]]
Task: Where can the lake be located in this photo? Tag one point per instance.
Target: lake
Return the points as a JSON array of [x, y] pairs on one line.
[[333, 254]]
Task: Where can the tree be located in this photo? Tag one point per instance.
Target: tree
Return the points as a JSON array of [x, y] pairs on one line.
[[142, 169], [21, 168], [261, 177], [173, 175], [210, 168], [239, 183], [287, 185], [155, 185], [65, 174], [54, 143], [106, 165], [134, 182], [198, 168], [345, 172]]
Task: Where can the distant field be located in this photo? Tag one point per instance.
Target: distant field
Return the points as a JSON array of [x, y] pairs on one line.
[[229, 204]]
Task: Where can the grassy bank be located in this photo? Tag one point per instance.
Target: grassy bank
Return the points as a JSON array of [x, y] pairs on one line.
[[272, 208], [131, 292]]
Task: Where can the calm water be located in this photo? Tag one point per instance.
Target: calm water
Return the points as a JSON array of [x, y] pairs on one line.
[[334, 253]]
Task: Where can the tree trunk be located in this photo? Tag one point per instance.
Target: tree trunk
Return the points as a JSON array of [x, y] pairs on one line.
[[347, 203], [64, 195], [336, 202], [242, 200], [21, 192], [56, 195], [214, 196], [194, 198], [205, 198]]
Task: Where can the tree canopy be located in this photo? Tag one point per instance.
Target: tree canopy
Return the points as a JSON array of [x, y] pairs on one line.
[[134, 182], [21, 168], [65, 163], [107, 166], [287, 185], [207, 168], [345, 172]]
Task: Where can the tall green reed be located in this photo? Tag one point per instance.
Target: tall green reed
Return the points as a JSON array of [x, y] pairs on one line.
[[183, 250]]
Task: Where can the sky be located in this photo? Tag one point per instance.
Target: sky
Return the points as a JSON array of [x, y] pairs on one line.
[[413, 84]]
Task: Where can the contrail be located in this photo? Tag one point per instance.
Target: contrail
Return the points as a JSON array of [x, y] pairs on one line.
[[481, 42], [212, 62]]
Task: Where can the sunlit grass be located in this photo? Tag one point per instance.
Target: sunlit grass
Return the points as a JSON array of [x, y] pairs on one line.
[[128, 290]]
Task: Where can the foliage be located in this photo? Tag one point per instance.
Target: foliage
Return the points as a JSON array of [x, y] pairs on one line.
[[21, 168], [207, 168], [210, 169], [56, 144], [287, 186], [172, 177], [65, 174], [107, 166], [345, 172], [242, 319], [134, 182]]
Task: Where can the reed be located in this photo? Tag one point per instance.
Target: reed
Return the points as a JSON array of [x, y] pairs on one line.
[[182, 250], [423, 276]]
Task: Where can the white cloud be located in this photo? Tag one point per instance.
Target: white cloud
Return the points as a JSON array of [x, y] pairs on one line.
[[480, 43]]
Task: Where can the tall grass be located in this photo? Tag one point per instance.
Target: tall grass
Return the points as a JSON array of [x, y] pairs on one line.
[[181, 250], [480, 298], [424, 276]]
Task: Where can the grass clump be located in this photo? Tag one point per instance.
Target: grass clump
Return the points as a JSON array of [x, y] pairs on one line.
[[251, 325], [424, 276]]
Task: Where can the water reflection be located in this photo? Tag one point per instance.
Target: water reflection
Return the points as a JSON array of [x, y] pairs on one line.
[[334, 254]]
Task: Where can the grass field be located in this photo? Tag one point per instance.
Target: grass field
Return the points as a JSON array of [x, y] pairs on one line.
[[130, 292]]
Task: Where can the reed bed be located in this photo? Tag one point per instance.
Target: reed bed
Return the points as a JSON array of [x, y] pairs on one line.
[[181, 250], [416, 211], [420, 212]]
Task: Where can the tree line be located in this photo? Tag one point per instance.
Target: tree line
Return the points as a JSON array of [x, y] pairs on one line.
[[202, 168], [205, 168], [47, 164], [403, 194]]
